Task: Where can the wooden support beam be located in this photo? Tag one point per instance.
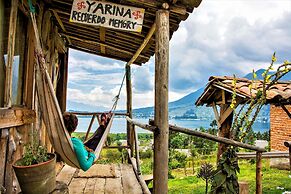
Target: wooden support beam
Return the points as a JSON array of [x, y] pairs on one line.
[[129, 126], [7, 137], [286, 110], [216, 114], [102, 39], [58, 20], [226, 115], [259, 174], [142, 46], [161, 136], [16, 117], [28, 87], [223, 96]]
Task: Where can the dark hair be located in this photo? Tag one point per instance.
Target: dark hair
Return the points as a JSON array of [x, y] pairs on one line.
[[71, 122], [103, 115]]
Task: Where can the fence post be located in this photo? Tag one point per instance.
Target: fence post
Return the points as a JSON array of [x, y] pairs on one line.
[[259, 188]]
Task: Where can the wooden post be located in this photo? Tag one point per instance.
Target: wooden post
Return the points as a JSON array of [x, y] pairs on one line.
[[259, 187], [2, 71], [3, 133], [9, 140], [90, 126], [161, 136], [129, 126], [62, 81], [224, 130]]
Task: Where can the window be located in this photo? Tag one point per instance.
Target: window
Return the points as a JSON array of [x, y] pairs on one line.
[[3, 42], [19, 54]]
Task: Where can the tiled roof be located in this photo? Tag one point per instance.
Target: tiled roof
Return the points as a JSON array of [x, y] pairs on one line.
[[278, 93]]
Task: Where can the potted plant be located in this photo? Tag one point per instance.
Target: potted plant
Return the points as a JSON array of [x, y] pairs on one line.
[[35, 171]]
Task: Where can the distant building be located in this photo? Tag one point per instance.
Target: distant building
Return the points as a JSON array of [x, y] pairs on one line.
[[280, 124]]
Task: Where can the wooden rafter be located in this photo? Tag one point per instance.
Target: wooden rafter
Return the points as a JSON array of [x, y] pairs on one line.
[[105, 45], [61, 24], [142, 46], [102, 39]]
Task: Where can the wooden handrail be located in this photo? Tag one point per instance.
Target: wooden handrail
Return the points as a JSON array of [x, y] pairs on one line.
[[141, 125], [198, 134], [141, 181], [95, 113], [215, 138], [250, 155], [136, 151], [115, 147]]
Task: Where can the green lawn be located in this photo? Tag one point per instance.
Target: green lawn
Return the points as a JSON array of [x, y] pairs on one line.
[[272, 178]]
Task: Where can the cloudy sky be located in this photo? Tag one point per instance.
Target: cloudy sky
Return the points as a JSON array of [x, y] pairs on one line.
[[221, 37]]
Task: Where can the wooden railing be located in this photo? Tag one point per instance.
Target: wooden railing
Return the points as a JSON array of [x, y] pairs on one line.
[[94, 115], [259, 151]]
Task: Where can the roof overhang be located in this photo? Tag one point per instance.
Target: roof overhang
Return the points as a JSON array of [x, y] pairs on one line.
[[118, 44]]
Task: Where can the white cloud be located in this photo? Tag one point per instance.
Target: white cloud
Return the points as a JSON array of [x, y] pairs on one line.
[[220, 37]]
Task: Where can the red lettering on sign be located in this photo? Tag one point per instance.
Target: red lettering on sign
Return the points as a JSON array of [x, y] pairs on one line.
[[137, 15], [81, 5]]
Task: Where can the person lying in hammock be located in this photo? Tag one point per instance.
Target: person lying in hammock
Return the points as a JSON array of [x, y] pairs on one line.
[[85, 152], [93, 142], [84, 155]]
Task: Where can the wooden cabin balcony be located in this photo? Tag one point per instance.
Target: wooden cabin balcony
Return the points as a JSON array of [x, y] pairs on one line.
[[100, 178]]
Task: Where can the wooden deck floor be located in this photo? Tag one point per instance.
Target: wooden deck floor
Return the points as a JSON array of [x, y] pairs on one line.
[[109, 179]]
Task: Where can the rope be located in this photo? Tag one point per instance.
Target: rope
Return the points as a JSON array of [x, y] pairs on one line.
[[116, 98], [39, 50]]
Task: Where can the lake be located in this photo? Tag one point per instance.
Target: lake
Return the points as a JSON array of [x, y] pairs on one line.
[[119, 124]]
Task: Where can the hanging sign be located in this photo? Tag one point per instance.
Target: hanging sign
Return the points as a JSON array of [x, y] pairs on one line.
[[107, 14]]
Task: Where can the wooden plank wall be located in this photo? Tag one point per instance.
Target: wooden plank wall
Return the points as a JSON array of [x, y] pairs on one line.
[[14, 138], [1, 53]]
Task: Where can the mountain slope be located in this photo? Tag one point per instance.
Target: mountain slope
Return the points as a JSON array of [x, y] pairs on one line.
[[185, 107]]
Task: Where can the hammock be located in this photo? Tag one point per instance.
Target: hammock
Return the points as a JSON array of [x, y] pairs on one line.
[[53, 119]]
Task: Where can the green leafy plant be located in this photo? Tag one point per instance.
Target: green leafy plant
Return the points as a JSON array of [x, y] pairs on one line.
[[33, 153], [224, 180], [225, 177], [205, 172]]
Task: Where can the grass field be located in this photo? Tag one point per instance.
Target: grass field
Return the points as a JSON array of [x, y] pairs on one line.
[[273, 179]]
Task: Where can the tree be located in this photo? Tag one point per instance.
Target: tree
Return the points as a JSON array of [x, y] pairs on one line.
[[205, 172], [194, 154], [226, 173]]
